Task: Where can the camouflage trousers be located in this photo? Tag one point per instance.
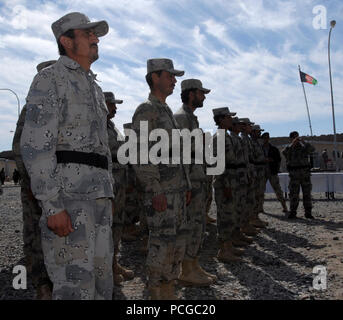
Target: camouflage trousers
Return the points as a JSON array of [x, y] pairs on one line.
[[135, 210], [32, 238], [297, 178], [197, 220], [132, 207], [119, 217], [167, 239], [80, 264], [260, 186], [275, 183], [250, 201], [241, 196], [227, 215]]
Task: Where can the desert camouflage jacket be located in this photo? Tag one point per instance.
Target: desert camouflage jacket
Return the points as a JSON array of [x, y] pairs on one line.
[[158, 178], [66, 111], [298, 155], [228, 177], [188, 120]]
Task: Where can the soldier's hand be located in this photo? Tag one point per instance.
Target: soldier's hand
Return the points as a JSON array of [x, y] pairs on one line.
[[60, 224], [188, 197], [159, 203], [228, 193]]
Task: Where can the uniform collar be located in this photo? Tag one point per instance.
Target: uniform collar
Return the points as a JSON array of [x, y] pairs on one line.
[[154, 99], [72, 64]]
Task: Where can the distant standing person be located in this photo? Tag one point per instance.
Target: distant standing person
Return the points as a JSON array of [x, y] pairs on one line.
[[273, 157], [298, 165], [2, 176], [16, 176], [325, 159]]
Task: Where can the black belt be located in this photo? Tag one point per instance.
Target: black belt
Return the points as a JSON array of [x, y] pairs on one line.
[[290, 168], [90, 159]]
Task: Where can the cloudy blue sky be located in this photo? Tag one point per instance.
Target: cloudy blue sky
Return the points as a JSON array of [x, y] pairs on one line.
[[247, 52]]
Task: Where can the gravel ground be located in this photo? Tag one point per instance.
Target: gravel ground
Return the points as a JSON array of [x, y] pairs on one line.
[[278, 265]]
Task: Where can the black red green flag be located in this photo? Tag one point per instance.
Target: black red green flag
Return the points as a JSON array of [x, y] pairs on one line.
[[307, 78]]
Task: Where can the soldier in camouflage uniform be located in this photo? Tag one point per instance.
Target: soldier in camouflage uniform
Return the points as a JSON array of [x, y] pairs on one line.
[[247, 228], [241, 183], [225, 190], [260, 167], [298, 165], [31, 216], [192, 96], [134, 210], [119, 171], [273, 157], [64, 146], [165, 185]]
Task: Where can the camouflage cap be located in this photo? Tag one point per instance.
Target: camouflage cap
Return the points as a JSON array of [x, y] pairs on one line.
[[193, 84], [109, 97], [163, 64], [77, 20], [127, 125], [257, 128], [44, 64], [223, 112], [246, 121]]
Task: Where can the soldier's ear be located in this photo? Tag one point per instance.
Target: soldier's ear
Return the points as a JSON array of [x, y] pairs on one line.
[[66, 42]]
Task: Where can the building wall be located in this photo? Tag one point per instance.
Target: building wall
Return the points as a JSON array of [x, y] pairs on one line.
[[9, 166]]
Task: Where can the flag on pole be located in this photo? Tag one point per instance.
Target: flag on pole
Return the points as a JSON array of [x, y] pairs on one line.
[[307, 78]]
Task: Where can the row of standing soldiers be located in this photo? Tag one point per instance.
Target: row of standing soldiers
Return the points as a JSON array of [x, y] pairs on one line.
[[76, 187], [239, 193]]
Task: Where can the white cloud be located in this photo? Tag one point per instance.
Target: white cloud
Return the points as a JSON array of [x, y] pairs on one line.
[[247, 52]]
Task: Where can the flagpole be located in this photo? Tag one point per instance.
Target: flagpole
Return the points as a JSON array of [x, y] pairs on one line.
[[308, 112]]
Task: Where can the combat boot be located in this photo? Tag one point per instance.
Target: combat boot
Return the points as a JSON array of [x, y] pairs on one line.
[[199, 269], [256, 222], [191, 277], [238, 242], [126, 273], [292, 215], [284, 206], [117, 277], [308, 214], [44, 292], [245, 238], [167, 291], [154, 293], [225, 253], [249, 230]]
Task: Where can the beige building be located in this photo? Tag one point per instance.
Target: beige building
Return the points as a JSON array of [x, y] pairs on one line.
[[9, 166]]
